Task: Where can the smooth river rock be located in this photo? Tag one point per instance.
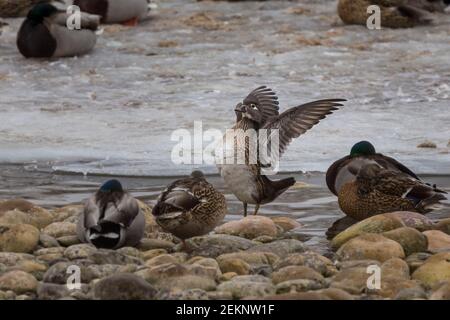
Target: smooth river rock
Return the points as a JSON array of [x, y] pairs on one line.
[[410, 239], [124, 286], [249, 227], [437, 241], [18, 238]]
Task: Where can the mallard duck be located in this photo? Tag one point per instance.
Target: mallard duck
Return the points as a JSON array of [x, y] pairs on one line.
[[190, 207], [361, 153], [394, 13], [44, 34], [259, 110], [378, 190], [111, 218], [116, 11]]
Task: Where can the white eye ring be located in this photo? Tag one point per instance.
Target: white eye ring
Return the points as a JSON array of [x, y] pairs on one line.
[[254, 107]]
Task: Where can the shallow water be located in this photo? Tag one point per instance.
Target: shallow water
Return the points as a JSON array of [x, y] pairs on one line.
[[114, 110], [309, 201]]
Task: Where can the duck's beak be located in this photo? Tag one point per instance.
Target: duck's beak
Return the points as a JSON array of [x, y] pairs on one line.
[[240, 108]]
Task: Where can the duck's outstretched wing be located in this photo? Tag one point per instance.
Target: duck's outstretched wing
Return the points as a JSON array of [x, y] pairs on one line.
[[91, 213], [296, 121], [267, 100]]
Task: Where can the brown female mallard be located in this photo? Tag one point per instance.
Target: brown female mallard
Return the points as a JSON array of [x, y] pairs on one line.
[[190, 207], [377, 190]]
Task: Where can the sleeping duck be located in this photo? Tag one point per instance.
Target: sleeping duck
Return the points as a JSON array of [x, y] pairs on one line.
[[362, 153], [44, 34], [190, 207], [128, 12], [378, 190], [111, 218], [394, 13]]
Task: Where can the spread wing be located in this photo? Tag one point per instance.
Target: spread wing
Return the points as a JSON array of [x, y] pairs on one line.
[[296, 121], [267, 100]]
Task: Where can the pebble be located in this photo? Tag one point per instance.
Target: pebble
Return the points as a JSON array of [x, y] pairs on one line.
[[437, 241], [60, 229], [249, 227], [18, 281], [18, 238], [124, 286]]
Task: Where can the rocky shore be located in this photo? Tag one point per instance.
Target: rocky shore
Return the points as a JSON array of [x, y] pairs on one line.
[[253, 258]]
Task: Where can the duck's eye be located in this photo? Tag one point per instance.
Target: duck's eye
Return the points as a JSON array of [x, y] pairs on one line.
[[253, 106]]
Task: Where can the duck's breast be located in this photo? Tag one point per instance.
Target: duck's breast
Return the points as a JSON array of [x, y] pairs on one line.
[[241, 180]]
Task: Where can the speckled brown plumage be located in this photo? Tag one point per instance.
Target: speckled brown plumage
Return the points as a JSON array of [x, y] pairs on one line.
[[377, 190], [394, 13], [17, 8], [190, 207]]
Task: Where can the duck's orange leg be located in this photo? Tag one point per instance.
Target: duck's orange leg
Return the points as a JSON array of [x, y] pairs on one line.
[[132, 22]]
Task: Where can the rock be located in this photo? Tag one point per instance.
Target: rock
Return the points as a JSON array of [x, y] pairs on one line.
[[67, 241], [63, 213], [20, 211], [247, 286], [161, 259], [281, 248], [32, 267], [410, 239], [7, 295], [60, 229], [375, 224], [130, 251], [286, 223], [106, 270], [51, 291], [190, 294], [10, 259], [411, 294], [370, 246], [336, 294], [264, 239], [50, 254], [47, 241], [124, 286], [417, 259], [437, 241], [18, 238], [58, 273], [296, 272], [298, 285], [105, 256], [151, 244], [79, 251], [444, 225], [341, 265], [351, 280], [395, 267], [309, 295], [149, 254], [442, 292], [255, 260], [220, 295], [18, 281], [249, 227], [237, 266], [181, 283], [412, 219], [310, 259], [160, 273], [227, 276], [383, 223], [435, 269], [214, 245], [205, 266], [392, 286], [427, 144]]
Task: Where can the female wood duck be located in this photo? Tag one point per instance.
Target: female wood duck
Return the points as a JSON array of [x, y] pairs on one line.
[[378, 190], [362, 153], [128, 12], [111, 218], [190, 207], [44, 34], [394, 13], [259, 110]]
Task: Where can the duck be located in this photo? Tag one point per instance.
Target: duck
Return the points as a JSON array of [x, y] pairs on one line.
[[361, 153], [17, 8], [111, 218], [394, 13], [246, 178], [190, 207], [44, 34], [128, 12], [377, 190]]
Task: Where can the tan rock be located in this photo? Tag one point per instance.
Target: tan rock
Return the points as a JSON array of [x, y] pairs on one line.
[[60, 229], [410, 239], [18, 281], [249, 227], [22, 238], [296, 272], [286, 223], [436, 269], [442, 292], [20, 211], [252, 258], [370, 246], [437, 240], [234, 265], [147, 255], [160, 259]]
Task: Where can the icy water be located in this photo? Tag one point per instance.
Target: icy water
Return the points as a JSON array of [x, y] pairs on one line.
[[66, 124], [114, 110]]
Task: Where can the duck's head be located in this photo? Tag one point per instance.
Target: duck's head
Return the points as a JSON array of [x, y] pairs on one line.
[[197, 174], [249, 109], [362, 148], [111, 186], [41, 11]]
